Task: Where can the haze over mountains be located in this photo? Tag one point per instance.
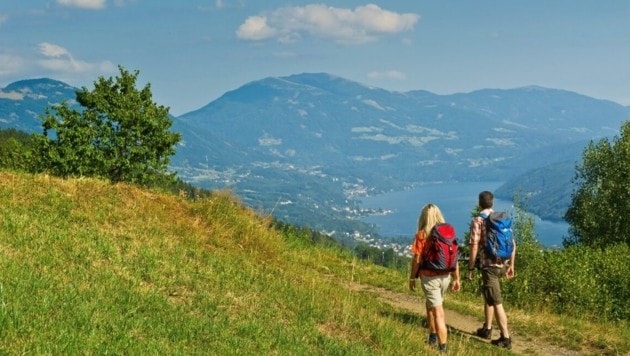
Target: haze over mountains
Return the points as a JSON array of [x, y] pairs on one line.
[[306, 147]]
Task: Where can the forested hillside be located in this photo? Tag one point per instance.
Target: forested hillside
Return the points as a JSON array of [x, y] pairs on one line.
[[546, 190], [307, 147]]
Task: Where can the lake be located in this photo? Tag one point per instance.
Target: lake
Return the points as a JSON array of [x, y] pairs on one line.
[[456, 200]]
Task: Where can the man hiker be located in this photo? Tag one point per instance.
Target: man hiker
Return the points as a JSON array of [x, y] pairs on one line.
[[493, 268]]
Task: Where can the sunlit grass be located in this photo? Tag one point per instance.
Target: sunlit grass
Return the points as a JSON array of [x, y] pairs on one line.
[[92, 268]]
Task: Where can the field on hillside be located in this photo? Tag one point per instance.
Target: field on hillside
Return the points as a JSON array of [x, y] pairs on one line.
[[92, 268]]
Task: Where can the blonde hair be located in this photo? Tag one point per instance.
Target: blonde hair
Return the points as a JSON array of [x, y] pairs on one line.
[[429, 216]]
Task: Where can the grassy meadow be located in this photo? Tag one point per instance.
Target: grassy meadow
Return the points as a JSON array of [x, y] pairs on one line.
[[88, 267]]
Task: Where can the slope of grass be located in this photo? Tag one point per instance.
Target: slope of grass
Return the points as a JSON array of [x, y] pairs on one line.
[[92, 268]]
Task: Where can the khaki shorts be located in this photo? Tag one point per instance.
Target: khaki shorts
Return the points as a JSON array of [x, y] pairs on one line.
[[434, 289], [491, 285]]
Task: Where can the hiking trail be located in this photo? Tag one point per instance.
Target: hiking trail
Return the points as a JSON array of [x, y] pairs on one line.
[[465, 325]]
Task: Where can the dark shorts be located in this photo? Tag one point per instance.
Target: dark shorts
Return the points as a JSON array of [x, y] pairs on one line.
[[491, 285]]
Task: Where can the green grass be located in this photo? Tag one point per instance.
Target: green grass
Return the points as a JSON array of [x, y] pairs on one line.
[[93, 268]]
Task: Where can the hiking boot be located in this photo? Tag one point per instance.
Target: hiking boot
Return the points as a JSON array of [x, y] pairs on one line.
[[504, 342], [433, 341], [443, 349], [484, 332]]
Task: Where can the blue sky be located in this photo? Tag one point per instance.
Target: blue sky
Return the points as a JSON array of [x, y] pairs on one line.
[[193, 51]]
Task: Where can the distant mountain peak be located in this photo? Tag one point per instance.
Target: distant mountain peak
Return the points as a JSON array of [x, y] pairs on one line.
[[21, 102], [321, 77], [270, 87], [39, 83], [36, 89], [535, 88], [331, 83]]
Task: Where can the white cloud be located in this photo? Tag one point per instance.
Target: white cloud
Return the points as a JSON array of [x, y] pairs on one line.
[[53, 50], [389, 74], [255, 28], [13, 95], [363, 24], [59, 59], [83, 4], [3, 18]]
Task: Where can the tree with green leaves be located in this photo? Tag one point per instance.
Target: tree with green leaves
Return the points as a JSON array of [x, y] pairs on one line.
[[120, 134], [15, 149], [600, 204]]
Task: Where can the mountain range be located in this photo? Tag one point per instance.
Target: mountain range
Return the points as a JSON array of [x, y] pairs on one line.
[[305, 148], [22, 102]]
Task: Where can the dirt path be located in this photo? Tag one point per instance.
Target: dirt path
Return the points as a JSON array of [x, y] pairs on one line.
[[463, 324]]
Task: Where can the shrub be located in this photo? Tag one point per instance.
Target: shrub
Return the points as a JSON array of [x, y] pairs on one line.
[[577, 281]]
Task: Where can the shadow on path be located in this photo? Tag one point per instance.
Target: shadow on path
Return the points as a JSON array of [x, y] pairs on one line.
[[465, 325]]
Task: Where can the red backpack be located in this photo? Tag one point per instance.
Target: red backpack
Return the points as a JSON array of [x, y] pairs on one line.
[[441, 252]]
